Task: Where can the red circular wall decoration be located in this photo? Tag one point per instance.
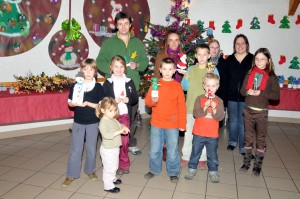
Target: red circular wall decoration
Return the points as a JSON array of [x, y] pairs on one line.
[[67, 55], [25, 23], [99, 17]]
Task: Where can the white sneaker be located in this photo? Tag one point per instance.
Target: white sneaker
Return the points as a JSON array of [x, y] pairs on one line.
[[134, 150]]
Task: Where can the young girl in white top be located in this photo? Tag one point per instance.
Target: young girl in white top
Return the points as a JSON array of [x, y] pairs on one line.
[[122, 89], [111, 131]]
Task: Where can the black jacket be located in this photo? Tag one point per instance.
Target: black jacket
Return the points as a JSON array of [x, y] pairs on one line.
[[234, 75]]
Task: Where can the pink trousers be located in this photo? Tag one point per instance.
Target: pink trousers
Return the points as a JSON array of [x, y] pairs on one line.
[[124, 161]]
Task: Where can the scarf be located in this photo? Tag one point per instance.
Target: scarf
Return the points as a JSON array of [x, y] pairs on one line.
[[215, 59], [174, 54], [253, 79]]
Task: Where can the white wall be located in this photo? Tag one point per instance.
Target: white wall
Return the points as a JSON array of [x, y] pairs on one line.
[[279, 41]]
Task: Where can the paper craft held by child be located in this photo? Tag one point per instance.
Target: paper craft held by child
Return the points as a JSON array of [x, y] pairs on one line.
[[78, 91], [182, 62]]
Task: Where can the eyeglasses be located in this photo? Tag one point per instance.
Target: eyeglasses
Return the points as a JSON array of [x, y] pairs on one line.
[[260, 60]]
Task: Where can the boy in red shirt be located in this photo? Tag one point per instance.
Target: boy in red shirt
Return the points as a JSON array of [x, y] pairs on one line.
[[208, 111], [168, 117]]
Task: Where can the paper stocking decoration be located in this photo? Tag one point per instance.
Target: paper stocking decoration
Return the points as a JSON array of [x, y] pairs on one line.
[[271, 19], [282, 59], [298, 20], [239, 23], [212, 25]]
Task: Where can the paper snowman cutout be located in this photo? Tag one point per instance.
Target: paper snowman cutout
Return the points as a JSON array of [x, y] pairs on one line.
[[78, 91]]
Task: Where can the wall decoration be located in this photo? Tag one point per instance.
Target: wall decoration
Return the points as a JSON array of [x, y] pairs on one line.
[[67, 55], [24, 24], [239, 24], [297, 22], [294, 63], [271, 19], [212, 25], [99, 17], [255, 24], [226, 27], [282, 59], [285, 23]]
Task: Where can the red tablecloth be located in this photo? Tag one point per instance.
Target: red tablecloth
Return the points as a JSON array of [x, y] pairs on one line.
[[289, 100], [19, 108]]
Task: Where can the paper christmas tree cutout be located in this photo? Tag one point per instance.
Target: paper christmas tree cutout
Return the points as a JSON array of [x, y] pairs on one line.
[[13, 22], [226, 27], [285, 23], [255, 24], [294, 63]]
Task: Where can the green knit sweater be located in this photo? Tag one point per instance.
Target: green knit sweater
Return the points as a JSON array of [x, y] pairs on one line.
[[115, 46]]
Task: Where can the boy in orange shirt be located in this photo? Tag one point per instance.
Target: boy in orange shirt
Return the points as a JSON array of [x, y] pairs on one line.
[[168, 117], [208, 111]]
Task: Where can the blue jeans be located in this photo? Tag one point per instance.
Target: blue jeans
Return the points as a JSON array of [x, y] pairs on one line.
[[159, 136], [211, 150], [236, 124], [79, 132]]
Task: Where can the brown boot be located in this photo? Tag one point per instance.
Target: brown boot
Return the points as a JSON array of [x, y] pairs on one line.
[[259, 157], [247, 160]]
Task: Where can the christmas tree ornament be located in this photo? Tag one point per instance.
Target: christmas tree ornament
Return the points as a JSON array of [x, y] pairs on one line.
[[187, 21], [255, 24], [282, 59], [239, 24], [297, 22], [167, 18], [271, 19], [212, 25], [294, 63], [285, 23], [209, 32], [226, 27]]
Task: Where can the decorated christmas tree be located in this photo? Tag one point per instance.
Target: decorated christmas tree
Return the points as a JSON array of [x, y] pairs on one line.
[[13, 22], [191, 36]]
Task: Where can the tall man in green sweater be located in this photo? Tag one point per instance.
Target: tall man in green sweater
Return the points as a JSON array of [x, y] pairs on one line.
[[124, 43]]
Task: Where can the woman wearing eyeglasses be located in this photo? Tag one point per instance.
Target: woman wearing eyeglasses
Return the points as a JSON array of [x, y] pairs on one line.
[[236, 67]]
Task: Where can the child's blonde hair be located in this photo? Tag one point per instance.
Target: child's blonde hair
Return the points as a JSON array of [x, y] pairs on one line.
[[209, 76], [89, 62], [120, 59], [106, 103]]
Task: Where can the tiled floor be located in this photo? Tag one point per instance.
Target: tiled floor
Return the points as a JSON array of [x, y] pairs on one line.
[[35, 166]]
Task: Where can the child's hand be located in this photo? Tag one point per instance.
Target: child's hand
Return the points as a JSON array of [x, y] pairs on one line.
[[125, 130], [210, 69], [154, 100], [180, 129], [213, 104], [118, 100], [256, 92], [250, 92], [207, 104], [181, 71], [125, 100]]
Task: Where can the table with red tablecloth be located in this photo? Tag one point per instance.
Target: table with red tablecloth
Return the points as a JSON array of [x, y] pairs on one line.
[[289, 100], [20, 108]]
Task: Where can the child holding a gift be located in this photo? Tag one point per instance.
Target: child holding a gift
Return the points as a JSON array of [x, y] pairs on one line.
[[168, 117], [260, 85], [85, 126]]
